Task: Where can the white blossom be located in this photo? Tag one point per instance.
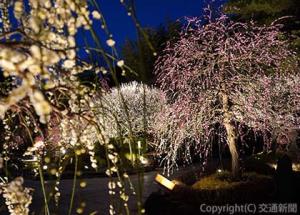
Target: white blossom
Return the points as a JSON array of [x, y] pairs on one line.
[[110, 42], [96, 15]]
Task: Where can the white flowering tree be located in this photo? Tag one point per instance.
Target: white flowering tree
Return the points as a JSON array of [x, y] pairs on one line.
[[225, 73], [142, 104]]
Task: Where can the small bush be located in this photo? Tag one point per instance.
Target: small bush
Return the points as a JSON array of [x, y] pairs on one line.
[[221, 187], [224, 180]]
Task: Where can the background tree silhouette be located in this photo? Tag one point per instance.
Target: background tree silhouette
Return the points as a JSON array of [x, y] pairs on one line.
[[139, 56], [266, 12]]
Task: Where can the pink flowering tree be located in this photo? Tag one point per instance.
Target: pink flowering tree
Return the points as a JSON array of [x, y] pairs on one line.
[[225, 74]]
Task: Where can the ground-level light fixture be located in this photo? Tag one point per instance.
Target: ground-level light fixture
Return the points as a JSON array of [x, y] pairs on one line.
[[164, 182]]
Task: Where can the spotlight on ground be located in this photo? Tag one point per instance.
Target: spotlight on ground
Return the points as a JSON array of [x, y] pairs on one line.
[[164, 182]]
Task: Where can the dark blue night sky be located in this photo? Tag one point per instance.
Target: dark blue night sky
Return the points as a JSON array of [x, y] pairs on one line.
[[150, 13]]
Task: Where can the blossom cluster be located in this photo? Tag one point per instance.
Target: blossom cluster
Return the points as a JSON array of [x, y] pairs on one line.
[[17, 197], [47, 30]]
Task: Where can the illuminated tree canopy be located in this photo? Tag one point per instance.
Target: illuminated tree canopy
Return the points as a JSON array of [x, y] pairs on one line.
[[225, 73]]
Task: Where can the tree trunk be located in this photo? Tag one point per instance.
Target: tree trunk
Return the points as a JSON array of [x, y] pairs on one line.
[[231, 135], [231, 141]]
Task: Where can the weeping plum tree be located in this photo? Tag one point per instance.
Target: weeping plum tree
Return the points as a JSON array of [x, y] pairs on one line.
[[219, 77]]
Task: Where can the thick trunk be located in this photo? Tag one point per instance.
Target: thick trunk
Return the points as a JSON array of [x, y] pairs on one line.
[[231, 135], [231, 141]]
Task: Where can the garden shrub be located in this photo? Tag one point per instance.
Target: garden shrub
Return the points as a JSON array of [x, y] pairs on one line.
[[222, 187]]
